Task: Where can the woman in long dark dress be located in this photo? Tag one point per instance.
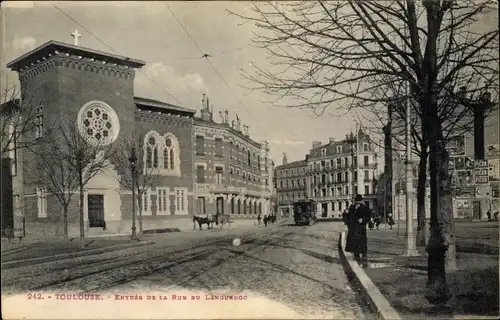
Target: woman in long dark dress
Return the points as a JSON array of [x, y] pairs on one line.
[[357, 217]]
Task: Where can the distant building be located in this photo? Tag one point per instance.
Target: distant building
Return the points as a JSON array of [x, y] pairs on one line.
[[291, 184], [330, 174], [233, 173]]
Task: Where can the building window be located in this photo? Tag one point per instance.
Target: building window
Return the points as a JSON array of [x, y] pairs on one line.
[[355, 161], [245, 206], [168, 155], [161, 153], [239, 206], [181, 201], [219, 177], [339, 149], [39, 122], [201, 205], [323, 192], [339, 191], [249, 158], [232, 206], [323, 152], [42, 202], [200, 145], [346, 176], [365, 161], [367, 189], [355, 189], [258, 161], [367, 175], [145, 204], [339, 176], [200, 174], [355, 175], [218, 147], [152, 153], [162, 201], [365, 146]]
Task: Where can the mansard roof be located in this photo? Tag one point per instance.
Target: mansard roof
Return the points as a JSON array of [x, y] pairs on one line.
[[51, 46], [294, 164], [155, 105]]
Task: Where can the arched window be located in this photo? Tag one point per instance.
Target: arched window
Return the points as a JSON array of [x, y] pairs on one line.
[[152, 153], [244, 206], [162, 153], [239, 206], [168, 154], [255, 207]]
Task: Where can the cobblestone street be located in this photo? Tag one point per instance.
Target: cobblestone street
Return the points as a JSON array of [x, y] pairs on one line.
[[295, 267]]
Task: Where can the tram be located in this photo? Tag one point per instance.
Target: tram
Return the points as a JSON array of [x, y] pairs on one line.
[[304, 212]]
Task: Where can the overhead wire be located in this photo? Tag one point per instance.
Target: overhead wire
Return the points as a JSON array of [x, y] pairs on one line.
[[111, 48]]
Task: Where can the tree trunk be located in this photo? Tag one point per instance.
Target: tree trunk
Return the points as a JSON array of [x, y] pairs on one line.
[[441, 242], [421, 195], [82, 222], [140, 222], [65, 221]]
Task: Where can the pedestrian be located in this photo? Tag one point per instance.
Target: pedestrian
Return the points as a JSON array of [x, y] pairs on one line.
[[266, 217], [390, 220], [377, 221], [357, 217], [488, 213], [258, 219], [344, 217]]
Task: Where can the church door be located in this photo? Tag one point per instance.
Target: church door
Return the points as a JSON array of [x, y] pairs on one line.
[[95, 210]]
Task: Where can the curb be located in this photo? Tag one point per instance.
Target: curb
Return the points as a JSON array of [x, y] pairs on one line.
[[65, 256], [370, 292]]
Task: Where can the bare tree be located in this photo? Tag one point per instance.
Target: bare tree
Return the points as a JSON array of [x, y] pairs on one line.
[[145, 175], [66, 162], [19, 122], [325, 54]]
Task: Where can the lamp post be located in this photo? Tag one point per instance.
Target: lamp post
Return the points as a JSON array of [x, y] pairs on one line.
[[351, 140], [133, 163]]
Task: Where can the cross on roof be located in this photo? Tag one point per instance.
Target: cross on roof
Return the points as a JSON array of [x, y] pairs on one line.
[[76, 36]]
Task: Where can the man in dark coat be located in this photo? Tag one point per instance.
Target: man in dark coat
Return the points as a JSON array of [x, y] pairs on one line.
[[357, 218]]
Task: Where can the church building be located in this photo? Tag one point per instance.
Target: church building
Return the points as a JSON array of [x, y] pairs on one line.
[[95, 90]]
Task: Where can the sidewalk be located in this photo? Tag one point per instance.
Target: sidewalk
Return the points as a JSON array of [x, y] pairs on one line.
[[474, 286]]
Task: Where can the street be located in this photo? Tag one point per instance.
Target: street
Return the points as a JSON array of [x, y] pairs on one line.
[[297, 268]]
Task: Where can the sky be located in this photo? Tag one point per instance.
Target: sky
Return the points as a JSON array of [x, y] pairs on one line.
[[175, 72]]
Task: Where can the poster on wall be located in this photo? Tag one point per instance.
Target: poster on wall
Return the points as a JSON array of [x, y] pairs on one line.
[[456, 146], [481, 172]]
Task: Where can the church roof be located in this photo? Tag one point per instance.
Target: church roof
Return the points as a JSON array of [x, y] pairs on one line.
[[155, 105], [51, 46]]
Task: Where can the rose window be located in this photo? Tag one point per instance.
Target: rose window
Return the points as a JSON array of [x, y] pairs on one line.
[[98, 123]]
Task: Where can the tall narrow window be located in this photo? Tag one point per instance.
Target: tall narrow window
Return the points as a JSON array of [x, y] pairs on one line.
[[180, 201], [219, 175], [255, 207], [249, 158], [367, 175], [39, 122], [366, 161], [42, 202], [245, 206], [145, 204], [218, 147], [258, 161], [200, 174], [239, 206], [367, 189], [162, 201], [200, 145], [152, 153], [232, 206], [201, 205], [168, 154]]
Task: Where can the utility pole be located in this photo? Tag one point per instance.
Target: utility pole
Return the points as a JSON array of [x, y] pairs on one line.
[[410, 239]]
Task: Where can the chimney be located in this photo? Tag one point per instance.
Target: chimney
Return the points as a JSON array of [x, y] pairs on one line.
[[316, 144], [206, 114], [285, 160]]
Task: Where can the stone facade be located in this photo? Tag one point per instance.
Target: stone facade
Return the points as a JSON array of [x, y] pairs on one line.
[[331, 174], [96, 90], [232, 173], [291, 184]]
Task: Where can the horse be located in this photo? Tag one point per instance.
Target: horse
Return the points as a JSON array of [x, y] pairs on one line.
[[203, 220], [223, 219]]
